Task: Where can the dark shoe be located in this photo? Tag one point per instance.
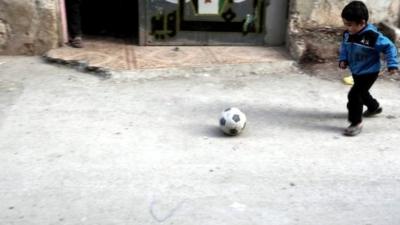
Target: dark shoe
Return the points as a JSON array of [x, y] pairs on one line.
[[76, 42], [372, 113], [353, 130]]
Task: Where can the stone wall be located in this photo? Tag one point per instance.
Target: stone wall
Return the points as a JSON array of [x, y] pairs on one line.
[[316, 13], [315, 26], [28, 27]]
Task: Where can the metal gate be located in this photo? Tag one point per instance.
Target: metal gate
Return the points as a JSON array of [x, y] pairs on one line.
[[204, 22]]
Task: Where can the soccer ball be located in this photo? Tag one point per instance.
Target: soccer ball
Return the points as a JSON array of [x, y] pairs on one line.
[[232, 121]]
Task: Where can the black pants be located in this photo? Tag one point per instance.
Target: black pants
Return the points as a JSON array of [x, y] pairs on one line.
[[74, 17], [359, 96]]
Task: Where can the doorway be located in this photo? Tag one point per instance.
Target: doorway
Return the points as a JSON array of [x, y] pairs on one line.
[[117, 19]]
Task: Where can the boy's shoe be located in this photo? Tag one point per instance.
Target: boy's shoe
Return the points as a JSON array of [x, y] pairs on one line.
[[368, 113], [353, 130]]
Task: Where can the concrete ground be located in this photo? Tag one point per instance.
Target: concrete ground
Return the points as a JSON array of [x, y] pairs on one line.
[[143, 147]]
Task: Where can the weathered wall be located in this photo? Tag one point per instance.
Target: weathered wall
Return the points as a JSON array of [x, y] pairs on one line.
[[315, 26], [327, 13], [28, 26]]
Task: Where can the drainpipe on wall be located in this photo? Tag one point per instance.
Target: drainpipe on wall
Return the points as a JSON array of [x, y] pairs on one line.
[[63, 14]]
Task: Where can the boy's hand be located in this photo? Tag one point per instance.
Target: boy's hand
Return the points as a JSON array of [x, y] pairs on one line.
[[342, 64], [393, 71]]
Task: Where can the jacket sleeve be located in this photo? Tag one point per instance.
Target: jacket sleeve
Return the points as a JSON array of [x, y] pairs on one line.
[[386, 46], [343, 53], [343, 50]]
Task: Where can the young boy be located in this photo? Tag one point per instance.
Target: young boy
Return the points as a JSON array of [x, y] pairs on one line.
[[360, 50]]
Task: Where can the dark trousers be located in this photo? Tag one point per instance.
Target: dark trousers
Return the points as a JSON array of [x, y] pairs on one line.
[[359, 96], [74, 17]]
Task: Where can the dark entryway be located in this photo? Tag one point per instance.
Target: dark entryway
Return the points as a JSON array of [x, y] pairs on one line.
[[111, 18]]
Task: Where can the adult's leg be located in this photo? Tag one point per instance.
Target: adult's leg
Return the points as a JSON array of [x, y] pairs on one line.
[[74, 18]]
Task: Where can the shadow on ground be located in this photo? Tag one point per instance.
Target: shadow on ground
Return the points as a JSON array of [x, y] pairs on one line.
[[277, 119]]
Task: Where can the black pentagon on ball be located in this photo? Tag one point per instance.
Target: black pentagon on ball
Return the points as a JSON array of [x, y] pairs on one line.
[[222, 121], [227, 109], [236, 118], [233, 131]]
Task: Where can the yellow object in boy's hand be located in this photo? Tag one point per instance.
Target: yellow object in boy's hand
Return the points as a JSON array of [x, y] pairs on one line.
[[348, 80]]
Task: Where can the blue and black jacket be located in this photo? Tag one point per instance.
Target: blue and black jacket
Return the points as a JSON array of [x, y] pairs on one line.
[[361, 51]]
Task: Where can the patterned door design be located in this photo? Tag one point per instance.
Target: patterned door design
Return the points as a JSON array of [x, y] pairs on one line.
[[205, 22]]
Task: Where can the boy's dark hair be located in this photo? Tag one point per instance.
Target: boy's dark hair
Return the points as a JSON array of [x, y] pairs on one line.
[[355, 11]]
